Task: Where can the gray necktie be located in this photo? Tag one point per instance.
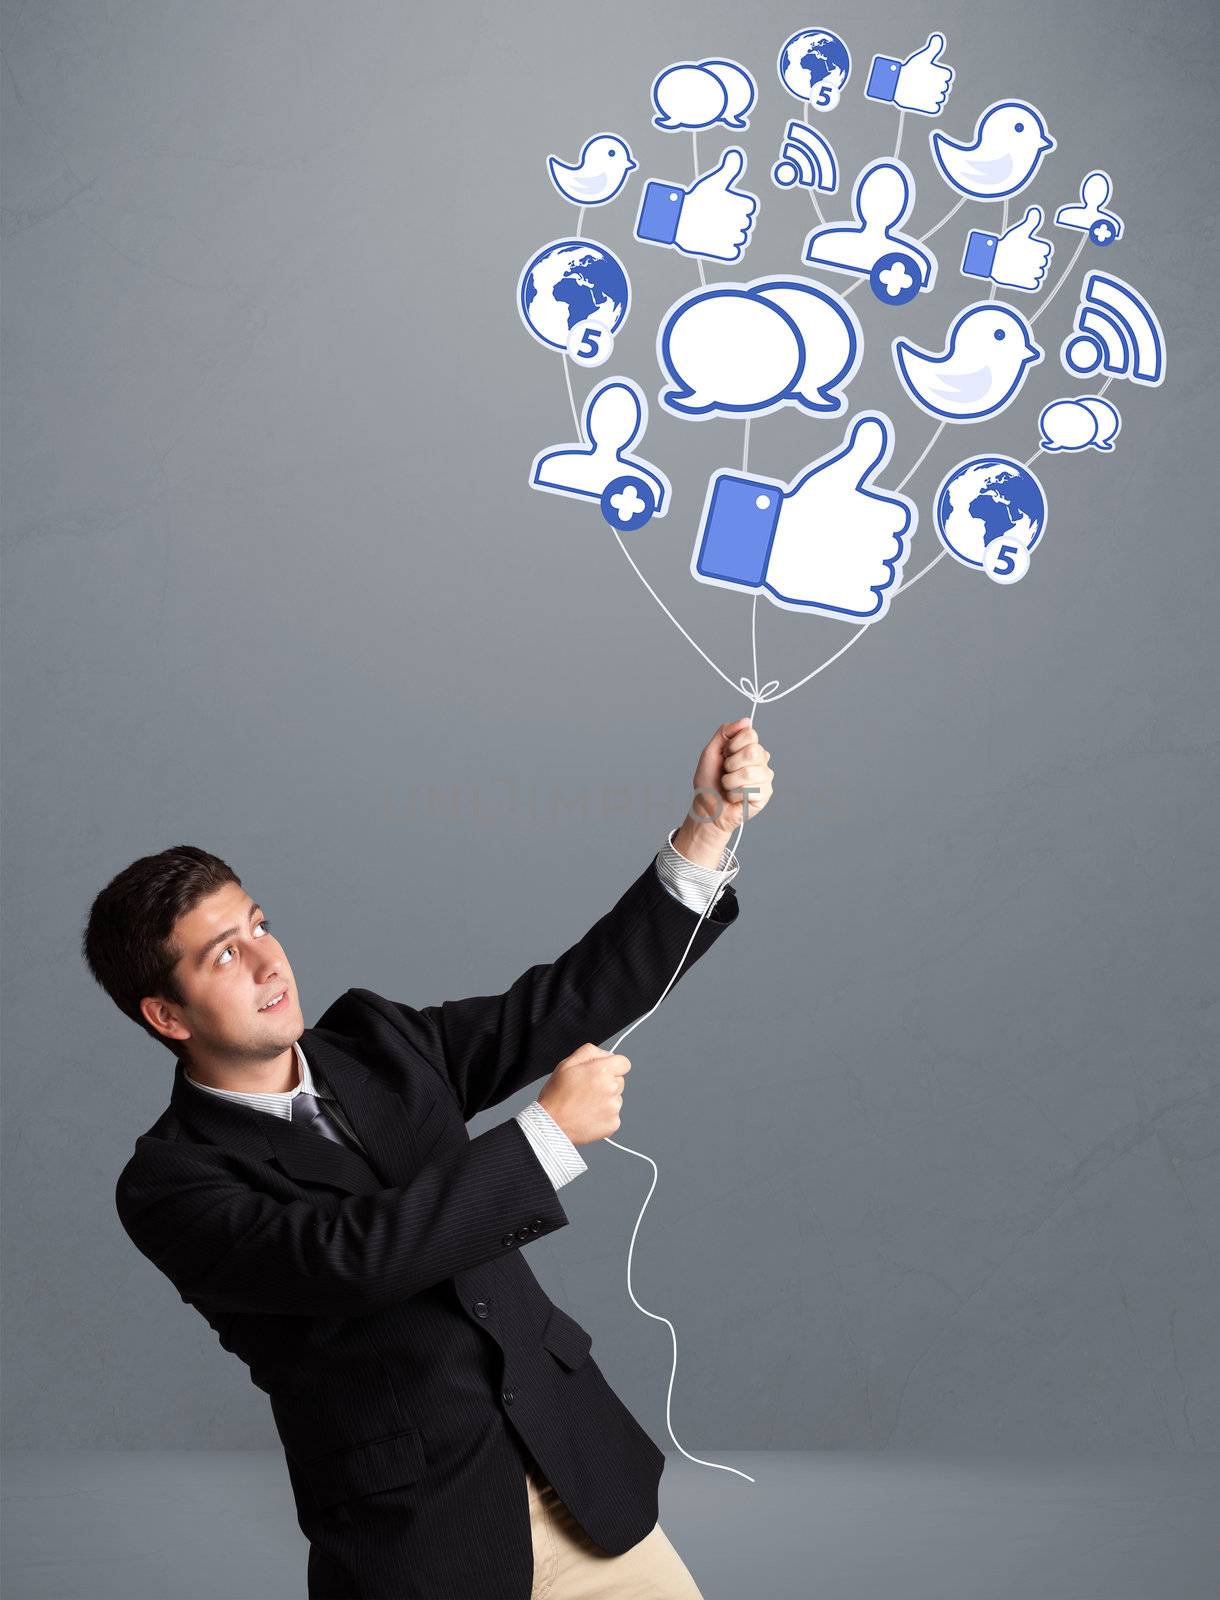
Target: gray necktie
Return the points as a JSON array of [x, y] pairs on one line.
[[309, 1112]]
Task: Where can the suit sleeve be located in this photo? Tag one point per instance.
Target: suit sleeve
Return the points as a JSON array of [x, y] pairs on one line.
[[489, 1046], [227, 1247]]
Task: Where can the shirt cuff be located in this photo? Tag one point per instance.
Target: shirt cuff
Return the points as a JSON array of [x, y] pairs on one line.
[[558, 1155], [691, 883], [883, 79], [979, 257], [660, 210], [738, 531]]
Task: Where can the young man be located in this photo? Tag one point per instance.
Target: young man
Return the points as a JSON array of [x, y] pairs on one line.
[[315, 1194]]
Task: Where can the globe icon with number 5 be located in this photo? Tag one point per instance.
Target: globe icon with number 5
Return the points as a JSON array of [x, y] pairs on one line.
[[815, 67], [566, 283], [985, 499]]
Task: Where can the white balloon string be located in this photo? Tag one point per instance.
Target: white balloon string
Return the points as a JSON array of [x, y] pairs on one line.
[[920, 461], [567, 378], [922, 573], [669, 613], [829, 662], [627, 1149], [1003, 231], [694, 149], [1063, 277], [943, 220]]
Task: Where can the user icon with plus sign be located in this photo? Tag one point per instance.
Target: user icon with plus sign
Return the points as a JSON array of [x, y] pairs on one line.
[[871, 245], [601, 466], [1091, 216]]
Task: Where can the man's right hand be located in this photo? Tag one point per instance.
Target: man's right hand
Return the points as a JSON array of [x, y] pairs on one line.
[[584, 1094]]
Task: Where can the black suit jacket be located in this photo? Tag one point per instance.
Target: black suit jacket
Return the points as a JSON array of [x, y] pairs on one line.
[[412, 1359]]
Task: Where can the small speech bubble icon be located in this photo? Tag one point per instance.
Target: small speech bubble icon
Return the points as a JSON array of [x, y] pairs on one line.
[[1108, 420], [1067, 425], [728, 352], [689, 96], [738, 350], [1079, 423]]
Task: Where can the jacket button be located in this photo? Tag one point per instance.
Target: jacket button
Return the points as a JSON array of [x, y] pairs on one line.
[[508, 1397], [480, 1308], [523, 1233], [536, 1225], [509, 1238]]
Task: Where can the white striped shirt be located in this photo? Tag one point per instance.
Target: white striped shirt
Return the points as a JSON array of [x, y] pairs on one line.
[[560, 1159]]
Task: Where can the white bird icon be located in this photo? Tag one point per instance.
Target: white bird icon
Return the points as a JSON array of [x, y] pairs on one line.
[[1010, 139], [989, 350], [600, 173]]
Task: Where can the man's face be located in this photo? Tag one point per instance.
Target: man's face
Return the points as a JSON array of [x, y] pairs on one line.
[[230, 968]]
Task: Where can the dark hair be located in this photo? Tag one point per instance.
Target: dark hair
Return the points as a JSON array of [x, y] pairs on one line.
[[127, 942]]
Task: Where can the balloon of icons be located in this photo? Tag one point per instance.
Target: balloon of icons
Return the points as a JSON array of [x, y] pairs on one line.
[[830, 539]]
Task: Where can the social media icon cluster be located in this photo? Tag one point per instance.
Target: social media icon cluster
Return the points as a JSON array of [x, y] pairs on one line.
[[829, 540]]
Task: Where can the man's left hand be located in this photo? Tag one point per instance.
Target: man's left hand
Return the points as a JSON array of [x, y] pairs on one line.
[[732, 761]]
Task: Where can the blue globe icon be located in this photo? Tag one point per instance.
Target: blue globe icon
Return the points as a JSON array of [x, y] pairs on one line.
[[815, 66], [567, 282], [988, 498]]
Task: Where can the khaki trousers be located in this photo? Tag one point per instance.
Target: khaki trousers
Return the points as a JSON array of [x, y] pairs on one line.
[[569, 1566]]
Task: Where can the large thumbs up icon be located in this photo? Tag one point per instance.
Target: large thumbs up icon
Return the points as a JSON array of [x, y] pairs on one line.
[[920, 83], [711, 218], [828, 542], [1017, 259]]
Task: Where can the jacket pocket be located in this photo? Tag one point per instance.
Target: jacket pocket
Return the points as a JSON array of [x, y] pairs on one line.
[[365, 1468], [324, 1414], [566, 1339]]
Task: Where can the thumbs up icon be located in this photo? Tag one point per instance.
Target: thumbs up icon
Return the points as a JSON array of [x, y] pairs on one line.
[[711, 218], [1016, 259], [920, 83], [828, 542]]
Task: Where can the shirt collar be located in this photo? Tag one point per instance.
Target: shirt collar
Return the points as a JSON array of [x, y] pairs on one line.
[[279, 1104]]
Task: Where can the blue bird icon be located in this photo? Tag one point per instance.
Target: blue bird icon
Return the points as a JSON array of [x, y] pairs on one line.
[[1010, 139], [599, 174], [989, 350]]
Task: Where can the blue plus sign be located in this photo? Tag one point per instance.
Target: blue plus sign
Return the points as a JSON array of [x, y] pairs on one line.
[[628, 503], [1103, 232], [895, 279]]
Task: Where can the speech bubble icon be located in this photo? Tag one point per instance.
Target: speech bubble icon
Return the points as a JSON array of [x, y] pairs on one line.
[[739, 89], [831, 336], [1067, 425], [728, 353], [688, 96], [1108, 420]]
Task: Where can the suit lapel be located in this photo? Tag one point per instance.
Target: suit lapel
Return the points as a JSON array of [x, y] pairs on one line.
[[377, 1115]]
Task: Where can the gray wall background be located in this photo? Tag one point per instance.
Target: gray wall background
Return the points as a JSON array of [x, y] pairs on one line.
[[937, 1123]]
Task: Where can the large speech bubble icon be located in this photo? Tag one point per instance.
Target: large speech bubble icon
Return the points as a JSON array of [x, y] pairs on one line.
[[1108, 420], [831, 335], [689, 96], [745, 350], [728, 354]]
